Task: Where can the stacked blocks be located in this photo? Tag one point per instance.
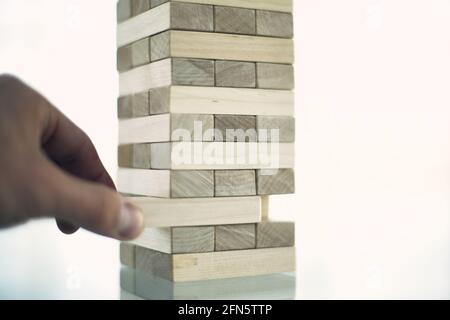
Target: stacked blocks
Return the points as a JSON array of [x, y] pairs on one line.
[[206, 134]]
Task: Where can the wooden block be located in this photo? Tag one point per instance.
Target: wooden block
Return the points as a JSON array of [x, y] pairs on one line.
[[265, 207], [275, 234], [132, 106], [160, 101], [229, 101], [134, 156], [279, 286], [220, 46], [232, 128], [237, 237], [127, 254], [177, 240], [235, 74], [128, 279], [274, 24], [222, 156], [140, 52], [160, 46], [284, 125], [166, 128], [235, 20], [281, 181], [155, 3], [123, 10], [139, 6], [193, 72], [188, 16], [275, 76], [124, 58], [272, 5], [191, 184], [229, 183], [166, 184], [198, 211], [215, 265]]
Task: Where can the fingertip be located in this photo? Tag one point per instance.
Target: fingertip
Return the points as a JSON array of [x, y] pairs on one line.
[[130, 222]]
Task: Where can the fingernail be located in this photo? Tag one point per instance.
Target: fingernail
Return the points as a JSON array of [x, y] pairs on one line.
[[131, 221]]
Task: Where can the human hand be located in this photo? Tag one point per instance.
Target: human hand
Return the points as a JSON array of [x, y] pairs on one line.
[[50, 168]]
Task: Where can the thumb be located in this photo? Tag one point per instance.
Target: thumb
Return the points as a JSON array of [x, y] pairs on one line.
[[90, 205]]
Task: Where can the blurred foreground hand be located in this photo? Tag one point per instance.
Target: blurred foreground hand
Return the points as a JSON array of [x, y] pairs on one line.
[[50, 168]]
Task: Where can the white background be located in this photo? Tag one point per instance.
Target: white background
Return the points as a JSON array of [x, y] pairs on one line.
[[373, 143]]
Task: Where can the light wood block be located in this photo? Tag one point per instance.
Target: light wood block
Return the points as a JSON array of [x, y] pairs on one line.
[[177, 240], [132, 106], [215, 265], [237, 237], [140, 51], [274, 24], [166, 128], [155, 3], [166, 184], [275, 76], [229, 183], [220, 46], [235, 20], [134, 156], [280, 286], [222, 156], [127, 254], [284, 125], [192, 72], [221, 101], [235, 74], [189, 16], [128, 279], [275, 234], [281, 181], [123, 10], [272, 5], [124, 58], [139, 6], [265, 208], [198, 211], [160, 46], [235, 128]]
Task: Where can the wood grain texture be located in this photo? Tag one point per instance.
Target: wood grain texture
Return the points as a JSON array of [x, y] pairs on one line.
[[198, 211], [158, 239], [154, 263], [155, 3], [237, 237], [189, 16], [235, 74], [140, 182], [160, 46], [127, 254], [235, 128], [230, 264], [230, 101], [275, 76], [160, 100], [193, 72], [284, 125], [274, 24], [192, 184], [194, 127], [275, 234], [229, 183], [134, 156], [139, 6], [234, 20], [144, 25], [132, 106], [145, 129], [221, 156], [220, 46], [140, 52], [192, 239], [273, 5], [281, 181], [146, 77], [123, 10], [124, 58]]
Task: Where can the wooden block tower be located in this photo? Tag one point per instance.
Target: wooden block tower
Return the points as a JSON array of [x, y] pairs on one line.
[[206, 134]]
